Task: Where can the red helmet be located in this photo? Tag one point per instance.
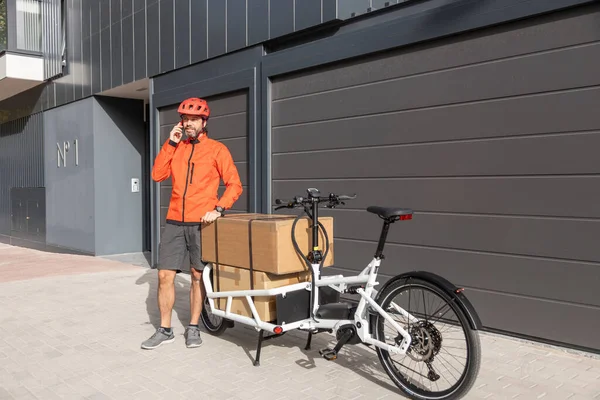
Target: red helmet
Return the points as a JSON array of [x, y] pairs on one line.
[[194, 106]]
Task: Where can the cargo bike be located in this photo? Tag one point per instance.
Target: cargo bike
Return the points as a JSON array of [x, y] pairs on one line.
[[397, 321]]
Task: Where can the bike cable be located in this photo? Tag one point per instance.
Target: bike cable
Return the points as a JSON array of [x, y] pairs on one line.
[[308, 263]]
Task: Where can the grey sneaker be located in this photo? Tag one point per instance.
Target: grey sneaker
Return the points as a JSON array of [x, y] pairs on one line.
[[192, 337], [159, 337]]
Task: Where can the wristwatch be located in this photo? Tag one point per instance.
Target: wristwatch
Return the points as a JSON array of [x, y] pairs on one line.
[[220, 210]]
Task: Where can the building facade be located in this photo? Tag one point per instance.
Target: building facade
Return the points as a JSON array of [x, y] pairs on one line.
[[479, 115]]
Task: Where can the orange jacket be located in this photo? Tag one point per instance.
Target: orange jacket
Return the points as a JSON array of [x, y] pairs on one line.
[[196, 168]]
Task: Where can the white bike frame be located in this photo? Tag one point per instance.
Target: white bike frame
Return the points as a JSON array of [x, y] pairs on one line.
[[339, 283]]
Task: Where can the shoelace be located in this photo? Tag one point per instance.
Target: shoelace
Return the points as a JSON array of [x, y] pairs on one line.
[[193, 332]]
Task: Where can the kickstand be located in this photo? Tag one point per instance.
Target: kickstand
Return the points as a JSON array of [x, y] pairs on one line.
[[259, 347], [307, 347], [261, 338]]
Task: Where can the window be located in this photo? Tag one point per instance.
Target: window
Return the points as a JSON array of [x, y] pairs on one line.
[[29, 25]]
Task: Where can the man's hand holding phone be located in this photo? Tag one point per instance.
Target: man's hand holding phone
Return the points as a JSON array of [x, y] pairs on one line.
[[176, 133]]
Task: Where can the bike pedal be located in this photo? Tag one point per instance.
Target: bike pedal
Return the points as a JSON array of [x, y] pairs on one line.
[[328, 354]]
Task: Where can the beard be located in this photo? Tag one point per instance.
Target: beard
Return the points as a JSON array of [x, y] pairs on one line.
[[192, 132]]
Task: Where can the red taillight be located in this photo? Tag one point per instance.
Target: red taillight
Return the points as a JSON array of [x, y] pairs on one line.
[[405, 217], [278, 330]]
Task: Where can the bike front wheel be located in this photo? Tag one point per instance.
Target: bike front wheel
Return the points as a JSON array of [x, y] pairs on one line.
[[214, 324], [444, 357]]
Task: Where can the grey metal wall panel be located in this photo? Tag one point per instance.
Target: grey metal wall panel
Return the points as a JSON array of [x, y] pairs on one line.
[[379, 4], [457, 158], [139, 38], [167, 39], [351, 8], [119, 136], [530, 75], [115, 10], [199, 37], [86, 67], [138, 5], [52, 37], [538, 196], [457, 265], [104, 6], [153, 39], [502, 307], [76, 52], [182, 32], [128, 49], [51, 90], [96, 64], [116, 55], [105, 59], [70, 224], [126, 8], [94, 16], [497, 233], [236, 24], [281, 17], [21, 161], [556, 112], [476, 145], [73, 43], [86, 18], [217, 27], [59, 92], [566, 29], [230, 125], [330, 10], [258, 21], [308, 15], [221, 106], [231, 65]]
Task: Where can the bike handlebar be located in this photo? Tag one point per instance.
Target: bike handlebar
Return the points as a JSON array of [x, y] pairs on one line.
[[314, 198]]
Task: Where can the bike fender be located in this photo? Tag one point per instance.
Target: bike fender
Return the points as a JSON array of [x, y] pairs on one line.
[[452, 290]]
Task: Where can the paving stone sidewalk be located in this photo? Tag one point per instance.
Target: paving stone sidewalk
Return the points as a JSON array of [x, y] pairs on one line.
[[71, 327]]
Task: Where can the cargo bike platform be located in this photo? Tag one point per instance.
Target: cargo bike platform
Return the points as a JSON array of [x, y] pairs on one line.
[[400, 320]]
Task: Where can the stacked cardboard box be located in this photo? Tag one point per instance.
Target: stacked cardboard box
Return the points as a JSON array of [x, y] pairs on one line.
[[239, 243]]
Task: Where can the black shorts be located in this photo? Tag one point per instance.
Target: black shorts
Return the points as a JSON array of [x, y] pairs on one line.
[[177, 243]]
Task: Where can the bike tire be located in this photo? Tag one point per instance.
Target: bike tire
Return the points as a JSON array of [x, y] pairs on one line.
[[471, 371], [212, 328]]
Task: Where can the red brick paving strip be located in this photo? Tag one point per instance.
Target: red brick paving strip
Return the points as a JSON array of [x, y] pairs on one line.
[[17, 264]]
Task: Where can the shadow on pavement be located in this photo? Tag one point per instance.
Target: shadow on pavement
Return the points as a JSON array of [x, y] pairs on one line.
[[181, 308], [357, 358]]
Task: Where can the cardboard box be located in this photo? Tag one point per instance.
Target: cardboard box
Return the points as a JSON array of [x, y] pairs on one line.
[[228, 278], [272, 247]]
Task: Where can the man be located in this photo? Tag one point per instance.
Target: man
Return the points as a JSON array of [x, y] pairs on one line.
[[196, 166]]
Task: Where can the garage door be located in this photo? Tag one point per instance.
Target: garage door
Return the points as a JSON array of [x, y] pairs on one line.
[[228, 124], [492, 138]]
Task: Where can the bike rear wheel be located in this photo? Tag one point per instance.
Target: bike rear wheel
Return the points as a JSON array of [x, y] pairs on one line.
[[435, 352]]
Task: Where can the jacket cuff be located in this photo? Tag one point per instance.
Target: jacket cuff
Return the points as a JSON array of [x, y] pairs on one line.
[[172, 143]]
